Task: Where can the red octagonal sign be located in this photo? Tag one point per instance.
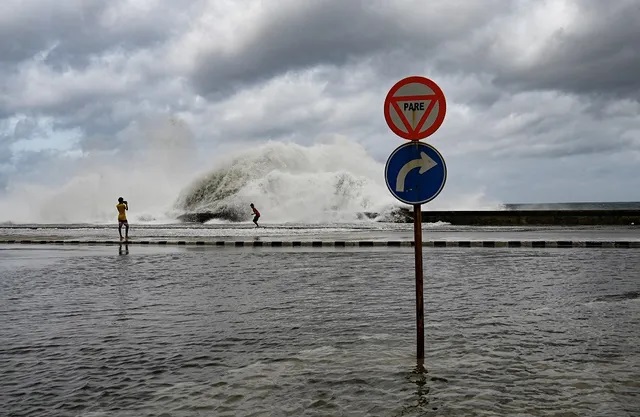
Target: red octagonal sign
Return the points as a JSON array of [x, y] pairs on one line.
[[415, 108]]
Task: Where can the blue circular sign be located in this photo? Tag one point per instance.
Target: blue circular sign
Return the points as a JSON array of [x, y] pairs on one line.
[[415, 173]]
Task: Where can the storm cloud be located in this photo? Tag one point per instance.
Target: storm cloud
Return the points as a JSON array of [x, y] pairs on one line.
[[544, 90]]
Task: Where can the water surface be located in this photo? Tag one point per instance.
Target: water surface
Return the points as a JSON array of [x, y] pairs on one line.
[[97, 331]]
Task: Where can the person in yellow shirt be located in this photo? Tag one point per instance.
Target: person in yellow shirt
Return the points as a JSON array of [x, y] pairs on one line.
[[122, 207]]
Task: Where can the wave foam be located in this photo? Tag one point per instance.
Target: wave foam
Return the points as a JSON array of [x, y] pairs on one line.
[[331, 182]]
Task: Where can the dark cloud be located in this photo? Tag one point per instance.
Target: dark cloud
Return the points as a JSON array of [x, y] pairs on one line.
[[299, 35], [602, 56], [68, 34], [57, 59], [598, 54]]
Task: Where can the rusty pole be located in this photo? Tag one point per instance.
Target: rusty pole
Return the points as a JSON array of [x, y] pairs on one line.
[[417, 238]]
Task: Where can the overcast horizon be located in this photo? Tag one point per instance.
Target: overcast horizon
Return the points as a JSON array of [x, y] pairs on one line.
[[543, 97]]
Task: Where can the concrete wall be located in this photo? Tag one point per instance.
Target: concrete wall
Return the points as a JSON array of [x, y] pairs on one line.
[[531, 217], [493, 218]]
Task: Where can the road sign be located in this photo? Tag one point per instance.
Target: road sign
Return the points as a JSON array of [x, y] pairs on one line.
[[415, 173], [414, 108]]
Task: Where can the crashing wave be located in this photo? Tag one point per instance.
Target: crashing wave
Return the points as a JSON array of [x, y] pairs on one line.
[[291, 183]]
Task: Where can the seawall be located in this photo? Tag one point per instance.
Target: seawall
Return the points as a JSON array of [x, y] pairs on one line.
[[487, 217], [531, 217]]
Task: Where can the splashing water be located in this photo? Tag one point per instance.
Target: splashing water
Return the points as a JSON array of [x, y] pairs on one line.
[[153, 165], [329, 182]]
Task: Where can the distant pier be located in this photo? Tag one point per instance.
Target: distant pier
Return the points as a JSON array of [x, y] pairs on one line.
[[532, 217]]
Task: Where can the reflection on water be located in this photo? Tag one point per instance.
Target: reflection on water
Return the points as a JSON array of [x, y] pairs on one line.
[[124, 251], [421, 401], [239, 332]]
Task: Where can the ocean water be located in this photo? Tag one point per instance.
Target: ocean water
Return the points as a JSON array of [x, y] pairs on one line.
[[152, 331]]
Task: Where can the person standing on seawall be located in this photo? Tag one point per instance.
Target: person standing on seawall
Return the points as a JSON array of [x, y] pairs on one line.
[[122, 207], [256, 215]]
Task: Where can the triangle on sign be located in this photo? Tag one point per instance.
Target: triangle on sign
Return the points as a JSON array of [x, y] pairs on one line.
[[414, 110]]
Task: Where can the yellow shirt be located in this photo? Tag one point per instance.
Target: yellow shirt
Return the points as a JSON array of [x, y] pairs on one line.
[[122, 216]]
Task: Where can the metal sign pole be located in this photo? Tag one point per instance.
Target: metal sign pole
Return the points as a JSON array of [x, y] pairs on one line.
[[417, 238], [415, 173]]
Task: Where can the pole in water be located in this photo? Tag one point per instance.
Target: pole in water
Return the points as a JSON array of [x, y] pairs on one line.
[[417, 238]]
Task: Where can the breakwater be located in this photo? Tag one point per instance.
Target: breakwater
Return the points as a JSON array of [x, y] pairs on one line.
[[531, 217], [488, 217]]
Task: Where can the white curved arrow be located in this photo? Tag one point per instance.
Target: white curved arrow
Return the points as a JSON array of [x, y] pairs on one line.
[[424, 163]]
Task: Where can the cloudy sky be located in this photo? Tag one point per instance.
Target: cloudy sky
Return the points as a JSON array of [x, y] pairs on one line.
[[543, 97]]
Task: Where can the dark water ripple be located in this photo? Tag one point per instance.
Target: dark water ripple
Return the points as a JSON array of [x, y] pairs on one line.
[[232, 332]]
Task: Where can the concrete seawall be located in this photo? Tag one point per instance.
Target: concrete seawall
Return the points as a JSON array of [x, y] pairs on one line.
[[530, 217], [486, 217]]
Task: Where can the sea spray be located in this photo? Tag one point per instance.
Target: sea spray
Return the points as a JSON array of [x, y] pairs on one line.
[[328, 182], [154, 161]]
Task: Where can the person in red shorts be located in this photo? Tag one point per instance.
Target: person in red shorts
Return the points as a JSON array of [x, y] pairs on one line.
[[256, 215]]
